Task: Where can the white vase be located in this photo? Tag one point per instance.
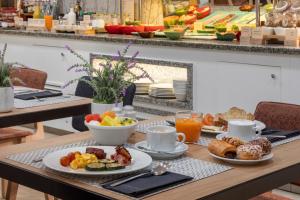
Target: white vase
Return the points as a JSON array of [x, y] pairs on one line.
[[99, 108], [6, 99]]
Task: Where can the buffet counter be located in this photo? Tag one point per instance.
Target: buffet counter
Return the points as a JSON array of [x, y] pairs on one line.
[[214, 69], [190, 43]]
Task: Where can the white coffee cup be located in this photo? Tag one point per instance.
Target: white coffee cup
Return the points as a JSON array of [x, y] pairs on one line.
[[163, 138], [243, 129]]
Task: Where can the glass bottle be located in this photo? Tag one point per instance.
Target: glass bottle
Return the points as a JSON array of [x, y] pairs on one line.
[[37, 10]]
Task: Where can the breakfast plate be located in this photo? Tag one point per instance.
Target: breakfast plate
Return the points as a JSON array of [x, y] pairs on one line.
[[180, 149], [139, 161], [243, 162]]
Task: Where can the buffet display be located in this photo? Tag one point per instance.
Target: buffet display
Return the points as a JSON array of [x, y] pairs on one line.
[[181, 19]]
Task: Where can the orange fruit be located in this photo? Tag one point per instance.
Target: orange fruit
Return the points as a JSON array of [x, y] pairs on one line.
[[110, 114]]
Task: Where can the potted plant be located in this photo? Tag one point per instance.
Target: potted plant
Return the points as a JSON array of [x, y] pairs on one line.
[[6, 89], [110, 79]]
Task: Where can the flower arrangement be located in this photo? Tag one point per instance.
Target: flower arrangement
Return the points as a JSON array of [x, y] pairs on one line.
[[112, 78], [5, 80]]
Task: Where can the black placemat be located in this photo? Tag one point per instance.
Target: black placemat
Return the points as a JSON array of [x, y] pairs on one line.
[[38, 95], [288, 134], [149, 184]]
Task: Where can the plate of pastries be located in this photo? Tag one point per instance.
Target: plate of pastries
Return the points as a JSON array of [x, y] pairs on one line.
[[218, 123], [235, 151]]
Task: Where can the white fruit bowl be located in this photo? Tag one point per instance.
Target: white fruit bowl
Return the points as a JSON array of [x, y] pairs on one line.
[[111, 135]]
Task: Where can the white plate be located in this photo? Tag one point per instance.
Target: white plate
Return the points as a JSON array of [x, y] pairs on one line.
[[244, 162], [179, 150], [140, 161]]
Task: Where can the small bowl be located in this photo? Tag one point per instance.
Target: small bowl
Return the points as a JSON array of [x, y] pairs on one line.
[[152, 28], [226, 36], [111, 135], [146, 34], [129, 29], [280, 31], [174, 35], [114, 29]]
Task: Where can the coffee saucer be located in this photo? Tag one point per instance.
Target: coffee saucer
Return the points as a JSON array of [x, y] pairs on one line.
[[178, 151], [222, 135]]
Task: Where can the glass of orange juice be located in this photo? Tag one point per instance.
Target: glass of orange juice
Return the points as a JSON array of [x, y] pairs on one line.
[[189, 123], [48, 22]]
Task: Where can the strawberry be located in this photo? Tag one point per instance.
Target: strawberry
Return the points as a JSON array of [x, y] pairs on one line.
[[93, 117]]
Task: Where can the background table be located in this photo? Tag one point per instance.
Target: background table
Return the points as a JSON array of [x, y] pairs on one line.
[[44, 113], [241, 182]]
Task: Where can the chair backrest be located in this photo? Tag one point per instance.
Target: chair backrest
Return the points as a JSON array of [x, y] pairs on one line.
[[85, 90], [277, 115], [29, 77]]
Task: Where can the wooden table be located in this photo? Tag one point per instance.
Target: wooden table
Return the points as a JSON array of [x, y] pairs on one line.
[[44, 113], [242, 182]]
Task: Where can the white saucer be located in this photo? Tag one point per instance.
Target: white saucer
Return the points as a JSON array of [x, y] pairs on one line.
[[244, 162], [179, 150]]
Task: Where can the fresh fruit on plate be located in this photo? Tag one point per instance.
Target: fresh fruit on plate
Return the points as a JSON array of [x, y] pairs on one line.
[[109, 113], [109, 121], [108, 118], [187, 19], [93, 117], [202, 12], [171, 21]]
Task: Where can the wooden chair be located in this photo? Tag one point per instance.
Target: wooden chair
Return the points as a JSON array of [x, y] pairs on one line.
[[29, 78], [282, 116]]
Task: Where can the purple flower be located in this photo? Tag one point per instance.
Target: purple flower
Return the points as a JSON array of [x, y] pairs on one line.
[[135, 55], [82, 70], [131, 65], [124, 92]]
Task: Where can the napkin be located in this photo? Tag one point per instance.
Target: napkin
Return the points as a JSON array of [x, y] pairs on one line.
[[38, 95], [288, 134], [149, 184]]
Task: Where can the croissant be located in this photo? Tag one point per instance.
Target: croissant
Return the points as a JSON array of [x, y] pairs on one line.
[[222, 149]]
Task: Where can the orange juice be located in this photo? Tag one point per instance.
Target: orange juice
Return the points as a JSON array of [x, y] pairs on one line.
[[48, 22], [191, 127]]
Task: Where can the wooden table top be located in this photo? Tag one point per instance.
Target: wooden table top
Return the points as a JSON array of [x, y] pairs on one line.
[[45, 112], [242, 182]]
